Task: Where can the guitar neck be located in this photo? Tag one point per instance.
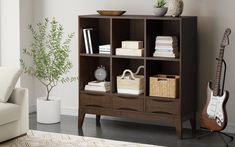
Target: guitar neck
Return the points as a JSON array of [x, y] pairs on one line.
[[216, 91]]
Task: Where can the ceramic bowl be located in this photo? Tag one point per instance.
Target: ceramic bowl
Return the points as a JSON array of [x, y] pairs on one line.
[[111, 12]]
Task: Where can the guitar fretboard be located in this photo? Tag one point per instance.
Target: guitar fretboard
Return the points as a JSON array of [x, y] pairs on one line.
[[216, 91]]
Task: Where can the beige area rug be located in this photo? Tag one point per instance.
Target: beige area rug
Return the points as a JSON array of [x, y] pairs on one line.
[[45, 139]]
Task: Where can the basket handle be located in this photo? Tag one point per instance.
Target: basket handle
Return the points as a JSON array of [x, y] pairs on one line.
[[131, 73], [138, 70], [162, 79]]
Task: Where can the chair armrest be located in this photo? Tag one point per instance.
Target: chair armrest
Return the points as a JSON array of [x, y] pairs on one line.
[[19, 96]]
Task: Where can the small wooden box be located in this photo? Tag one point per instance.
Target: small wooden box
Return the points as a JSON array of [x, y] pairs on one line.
[[129, 52], [132, 44], [164, 86]]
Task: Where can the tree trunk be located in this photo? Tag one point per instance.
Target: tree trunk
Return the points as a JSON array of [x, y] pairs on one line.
[[48, 94]]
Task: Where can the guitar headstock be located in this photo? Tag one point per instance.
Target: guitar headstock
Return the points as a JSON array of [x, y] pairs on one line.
[[225, 40]]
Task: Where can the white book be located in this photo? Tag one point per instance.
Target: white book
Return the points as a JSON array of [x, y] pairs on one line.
[[166, 41], [97, 88], [168, 56], [86, 41], [129, 52], [132, 44], [173, 55], [107, 46], [166, 44], [171, 38], [130, 91], [166, 48], [98, 83], [104, 49], [165, 51], [101, 52], [89, 40]]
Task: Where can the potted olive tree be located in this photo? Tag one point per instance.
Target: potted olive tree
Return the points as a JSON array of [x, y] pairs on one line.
[[159, 8], [49, 52]]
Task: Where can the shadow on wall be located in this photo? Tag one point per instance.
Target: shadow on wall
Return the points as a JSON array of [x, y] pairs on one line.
[[207, 52]]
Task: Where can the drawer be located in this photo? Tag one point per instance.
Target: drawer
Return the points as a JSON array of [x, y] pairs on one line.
[[162, 106], [96, 100], [128, 103]]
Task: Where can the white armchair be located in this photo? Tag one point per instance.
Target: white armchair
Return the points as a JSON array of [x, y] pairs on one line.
[[14, 118]]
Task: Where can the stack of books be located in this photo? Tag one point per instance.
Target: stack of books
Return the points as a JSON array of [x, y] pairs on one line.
[[98, 86], [166, 46], [87, 34], [104, 49], [131, 48]]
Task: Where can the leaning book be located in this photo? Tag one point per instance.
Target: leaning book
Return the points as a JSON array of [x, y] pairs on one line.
[[97, 88], [89, 32], [85, 36]]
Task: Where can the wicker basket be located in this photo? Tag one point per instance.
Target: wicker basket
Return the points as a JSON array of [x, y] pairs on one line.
[[164, 86]]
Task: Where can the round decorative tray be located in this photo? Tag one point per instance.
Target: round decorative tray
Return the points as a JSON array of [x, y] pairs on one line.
[[111, 12]]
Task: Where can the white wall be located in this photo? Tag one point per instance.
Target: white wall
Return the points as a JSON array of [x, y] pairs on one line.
[[67, 13], [0, 33], [26, 18], [213, 17], [10, 33]]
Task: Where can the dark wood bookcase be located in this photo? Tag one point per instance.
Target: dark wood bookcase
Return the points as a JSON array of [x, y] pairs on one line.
[[113, 30]]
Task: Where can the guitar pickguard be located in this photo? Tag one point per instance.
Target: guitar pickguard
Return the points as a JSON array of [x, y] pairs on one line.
[[215, 108]]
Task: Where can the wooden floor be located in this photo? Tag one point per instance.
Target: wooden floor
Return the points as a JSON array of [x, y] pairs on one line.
[[131, 132]]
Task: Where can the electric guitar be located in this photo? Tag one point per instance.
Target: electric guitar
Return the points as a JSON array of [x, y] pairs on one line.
[[214, 115]]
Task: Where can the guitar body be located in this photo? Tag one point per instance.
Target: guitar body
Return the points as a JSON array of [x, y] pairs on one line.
[[214, 115]]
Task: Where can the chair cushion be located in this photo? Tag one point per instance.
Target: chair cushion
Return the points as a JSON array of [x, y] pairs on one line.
[[8, 79], [9, 113]]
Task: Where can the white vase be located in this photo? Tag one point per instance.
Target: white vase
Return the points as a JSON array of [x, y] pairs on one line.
[[48, 112], [175, 7]]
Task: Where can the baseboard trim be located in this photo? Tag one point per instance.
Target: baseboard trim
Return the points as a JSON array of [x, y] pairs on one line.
[[32, 108], [230, 128], [71, 111]]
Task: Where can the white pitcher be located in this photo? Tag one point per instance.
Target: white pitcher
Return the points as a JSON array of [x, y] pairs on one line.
[[175, 8]]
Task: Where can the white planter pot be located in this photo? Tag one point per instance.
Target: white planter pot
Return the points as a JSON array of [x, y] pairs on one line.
[[160, 11], [48, 112]]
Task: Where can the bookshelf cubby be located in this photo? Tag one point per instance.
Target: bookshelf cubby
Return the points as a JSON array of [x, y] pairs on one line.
[[120, 64], [160, 28], [114, 30], [89, 65], [100, 32], [126, 29]]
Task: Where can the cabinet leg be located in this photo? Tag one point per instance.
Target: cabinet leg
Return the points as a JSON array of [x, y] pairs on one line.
[[178, 126], [193, 125], [80, 119], [98, 119]]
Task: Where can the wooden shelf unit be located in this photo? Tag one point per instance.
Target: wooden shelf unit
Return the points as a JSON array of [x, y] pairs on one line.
[[113, 30]]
